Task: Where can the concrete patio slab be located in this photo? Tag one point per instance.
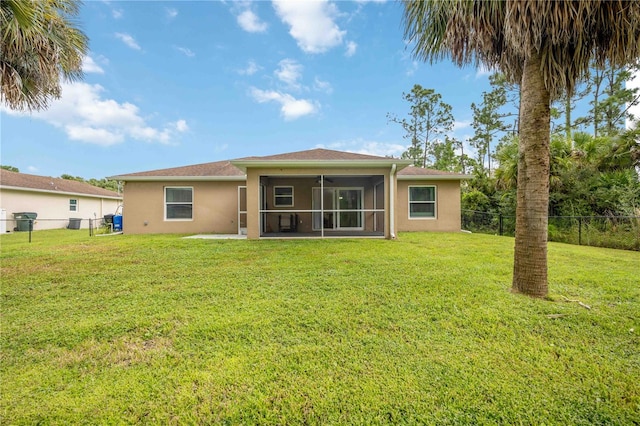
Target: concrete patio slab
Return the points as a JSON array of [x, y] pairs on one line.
[[218, 237]]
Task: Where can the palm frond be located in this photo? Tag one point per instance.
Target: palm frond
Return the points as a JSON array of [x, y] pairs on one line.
[[502, 34], [39, 46]]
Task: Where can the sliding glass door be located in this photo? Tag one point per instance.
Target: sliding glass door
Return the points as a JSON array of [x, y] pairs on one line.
[[342, 209], [349, 208]]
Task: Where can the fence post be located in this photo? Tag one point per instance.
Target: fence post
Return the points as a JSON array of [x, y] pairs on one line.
[[579, 230], [501, 226], [30, 228]]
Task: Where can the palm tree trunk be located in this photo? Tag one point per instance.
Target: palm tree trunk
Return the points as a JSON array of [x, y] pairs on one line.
[[530, 255]]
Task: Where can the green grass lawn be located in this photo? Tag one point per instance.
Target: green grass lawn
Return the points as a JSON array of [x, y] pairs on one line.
[[158, 329]]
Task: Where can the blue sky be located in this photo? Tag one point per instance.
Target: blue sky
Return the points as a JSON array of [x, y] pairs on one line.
[[176, 83]]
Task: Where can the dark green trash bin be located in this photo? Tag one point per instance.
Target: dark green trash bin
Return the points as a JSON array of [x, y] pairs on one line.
[[24, 220], [74, 223]]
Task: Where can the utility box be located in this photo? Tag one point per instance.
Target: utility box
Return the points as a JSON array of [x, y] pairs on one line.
[[3, 221], [24, 220], [117, 223], [74, 223]]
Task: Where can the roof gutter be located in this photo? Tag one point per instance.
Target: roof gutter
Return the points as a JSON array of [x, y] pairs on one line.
[[434, 177], [179, 178]]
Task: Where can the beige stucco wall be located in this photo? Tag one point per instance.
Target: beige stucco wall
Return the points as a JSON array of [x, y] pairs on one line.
[[215, 208], [447, 207], [53, 209]]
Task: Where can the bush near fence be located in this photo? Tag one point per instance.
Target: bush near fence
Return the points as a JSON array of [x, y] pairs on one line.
[[619, 232]]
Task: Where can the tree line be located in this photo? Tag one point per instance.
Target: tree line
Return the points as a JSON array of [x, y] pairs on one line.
[[594, 159]]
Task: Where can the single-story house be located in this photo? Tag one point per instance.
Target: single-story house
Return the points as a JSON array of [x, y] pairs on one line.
[[314, 193], [55, 200]]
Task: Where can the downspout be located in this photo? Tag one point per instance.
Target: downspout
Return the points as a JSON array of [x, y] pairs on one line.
[[392, 207]]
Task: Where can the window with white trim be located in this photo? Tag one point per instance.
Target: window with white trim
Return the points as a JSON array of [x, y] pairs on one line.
[[73, 205], [178, 203], [422, 202], [283, 196]]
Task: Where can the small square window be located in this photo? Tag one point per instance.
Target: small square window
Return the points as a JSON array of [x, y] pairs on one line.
[[178, 203], [283, 196], [73, 205]]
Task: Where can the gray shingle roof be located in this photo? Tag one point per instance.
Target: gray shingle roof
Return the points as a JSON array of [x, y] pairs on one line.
[[318, 154], [420, 171], [218, 168], [45, 183], [226, 169]]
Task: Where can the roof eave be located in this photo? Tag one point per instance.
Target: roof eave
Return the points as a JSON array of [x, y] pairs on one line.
[[48, 191], [434, 177], [126, 178]]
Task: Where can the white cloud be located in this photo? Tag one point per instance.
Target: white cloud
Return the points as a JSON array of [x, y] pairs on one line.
[[92, 135], [116, 13], [171, 12], [250, 22], [311, 24], [90, 66], [251, 69], [290, 107], [469, 150], [186, 51], [411, 64], [149, 134], [128, 40], [290, 72], [412, 68], [32, 169], [484, 71], [362, 146], [463, 124], [181, 126], [322, 86], [351, 49], [85, 116]]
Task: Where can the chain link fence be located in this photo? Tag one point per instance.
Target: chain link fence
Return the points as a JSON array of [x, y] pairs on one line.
[[26, 225], [619, 232]]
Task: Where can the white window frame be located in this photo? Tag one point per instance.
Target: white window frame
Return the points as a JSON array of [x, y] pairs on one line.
[[434, 202], [276, 197], [182, 202], [73, 205], [241, 213]]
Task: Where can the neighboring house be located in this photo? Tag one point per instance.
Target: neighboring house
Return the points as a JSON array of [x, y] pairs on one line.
[[55, 200], [315, 193]]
